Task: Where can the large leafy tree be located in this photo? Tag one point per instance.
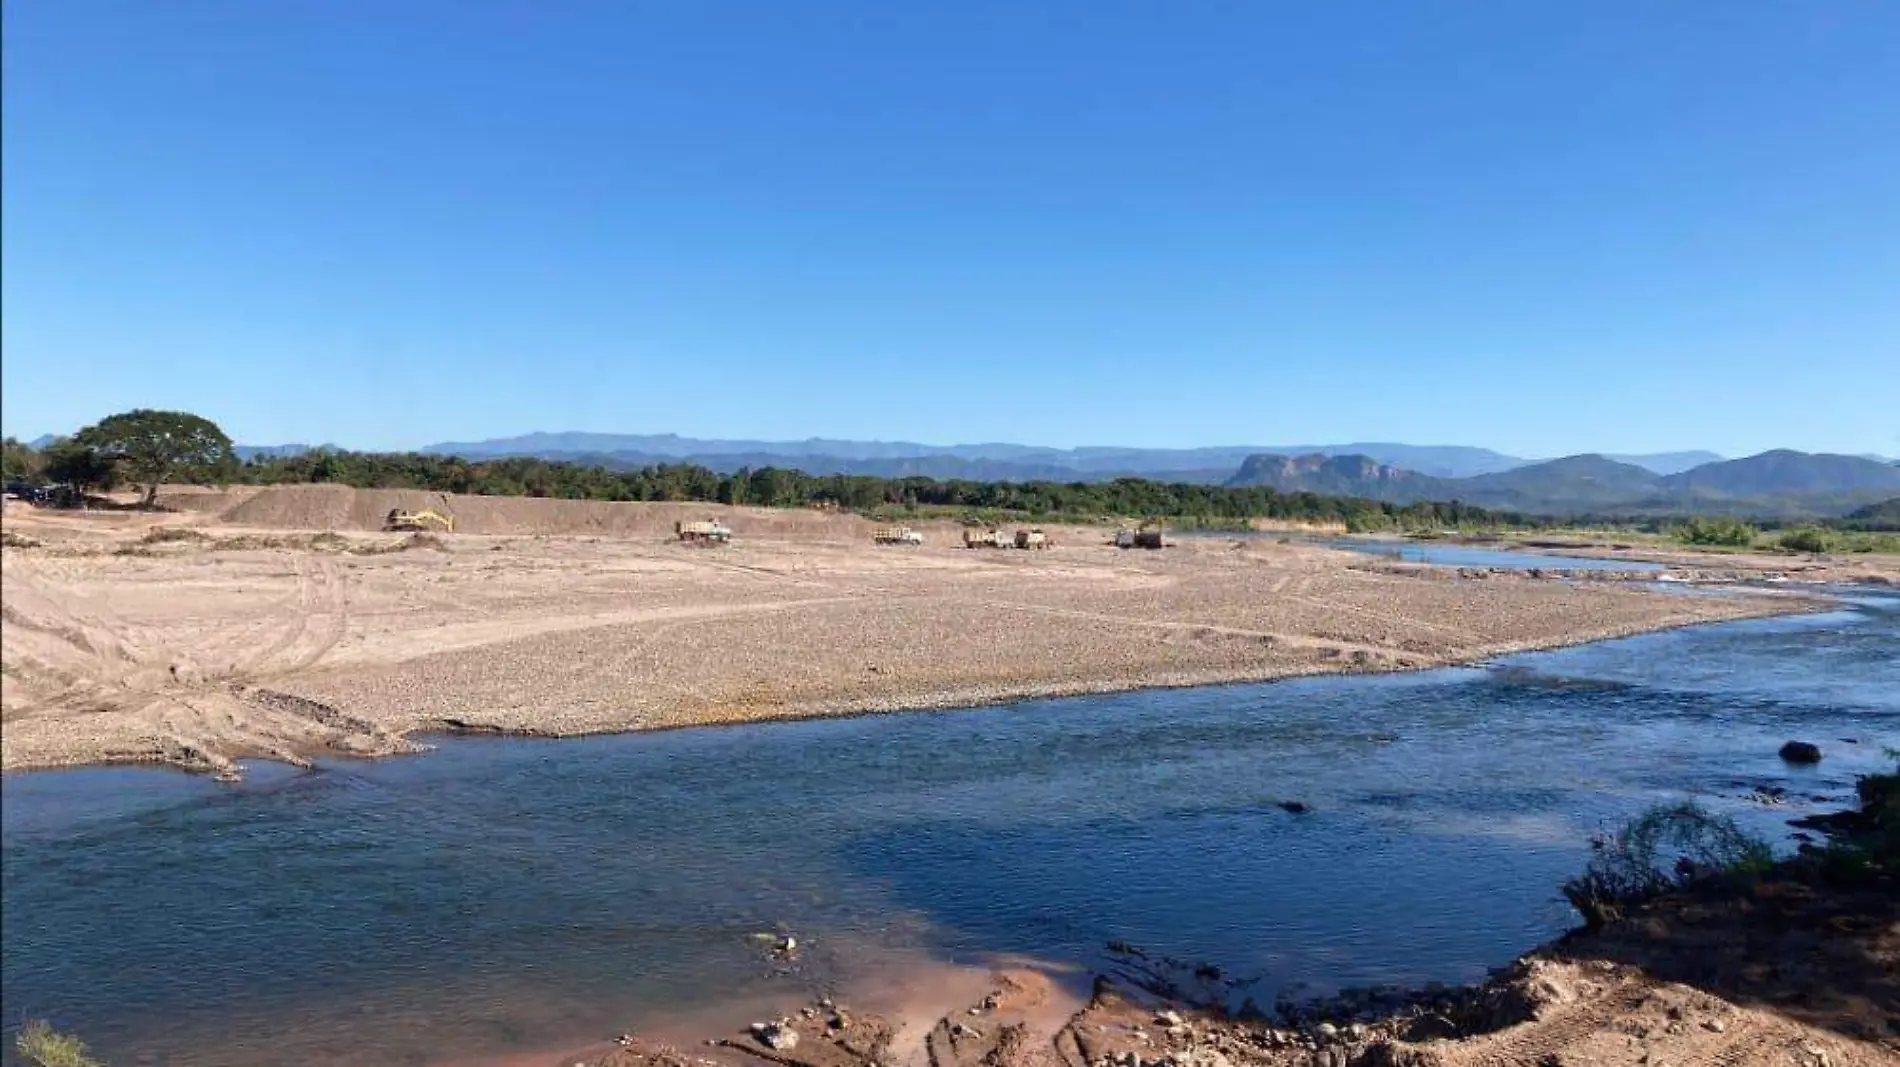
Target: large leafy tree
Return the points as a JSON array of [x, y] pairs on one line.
[[152, 448], [70, 463]]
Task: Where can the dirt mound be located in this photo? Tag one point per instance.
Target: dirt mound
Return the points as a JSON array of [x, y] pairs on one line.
[[337, 507]]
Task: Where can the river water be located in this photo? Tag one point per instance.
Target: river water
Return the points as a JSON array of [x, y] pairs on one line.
[[1449, 554], [497, 896]]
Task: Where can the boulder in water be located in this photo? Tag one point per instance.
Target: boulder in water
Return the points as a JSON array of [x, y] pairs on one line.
[[1801, 752]]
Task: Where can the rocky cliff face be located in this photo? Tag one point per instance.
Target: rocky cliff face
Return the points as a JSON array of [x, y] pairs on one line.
[[1350, 475]]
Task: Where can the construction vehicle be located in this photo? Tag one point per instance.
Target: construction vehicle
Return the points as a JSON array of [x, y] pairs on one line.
[[1032, 539], [896, 535], [990, 538], [427, 519], [706, 531], [1147, 535]]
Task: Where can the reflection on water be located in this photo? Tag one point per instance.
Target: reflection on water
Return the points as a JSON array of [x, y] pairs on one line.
[[497, 895]]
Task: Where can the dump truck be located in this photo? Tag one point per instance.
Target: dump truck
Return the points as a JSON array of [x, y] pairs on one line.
[[426, 519], [1147, 535], [1032, 539], [991, 538], [706, 531], [896, 535]]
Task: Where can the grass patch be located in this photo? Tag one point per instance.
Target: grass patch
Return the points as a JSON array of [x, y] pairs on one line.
[[165, 535], [1859, 541], [9, 539], [42, 1046]]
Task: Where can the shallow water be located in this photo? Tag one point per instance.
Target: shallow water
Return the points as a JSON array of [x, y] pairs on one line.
[[502, 895], [1455, 555]]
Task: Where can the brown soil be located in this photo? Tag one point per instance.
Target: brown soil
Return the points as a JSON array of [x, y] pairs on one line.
[[1779, 976], [280, 622]]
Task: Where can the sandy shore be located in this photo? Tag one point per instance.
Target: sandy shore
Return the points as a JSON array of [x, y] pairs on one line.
[[280, 623], [1779, 975]]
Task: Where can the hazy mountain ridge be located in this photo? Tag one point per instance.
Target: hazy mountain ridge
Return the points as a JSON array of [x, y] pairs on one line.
[[1785, 470], [1666, 462], [1781, 482], [1444, 460], [941, 468], [990, 461]]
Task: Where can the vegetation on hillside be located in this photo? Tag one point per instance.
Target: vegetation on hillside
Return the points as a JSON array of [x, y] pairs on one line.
[[1882, 516]]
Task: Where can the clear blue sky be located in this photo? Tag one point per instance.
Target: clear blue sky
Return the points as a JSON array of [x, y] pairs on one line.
[[1544, 227]]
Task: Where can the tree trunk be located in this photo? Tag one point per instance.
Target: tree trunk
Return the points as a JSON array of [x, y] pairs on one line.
[[151, 497]]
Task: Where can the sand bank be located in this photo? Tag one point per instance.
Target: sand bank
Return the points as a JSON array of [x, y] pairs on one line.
[[281, 623]]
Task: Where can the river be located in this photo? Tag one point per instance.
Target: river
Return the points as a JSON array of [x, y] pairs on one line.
[[498, 896]]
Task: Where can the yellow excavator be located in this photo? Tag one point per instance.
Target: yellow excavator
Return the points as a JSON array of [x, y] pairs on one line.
[[402, 520]]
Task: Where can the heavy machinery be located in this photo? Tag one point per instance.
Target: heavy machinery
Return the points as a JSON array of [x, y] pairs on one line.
[[427, 519], [896, 535], [990, 538], [706, 531], [1147, 535], [1032, 539]]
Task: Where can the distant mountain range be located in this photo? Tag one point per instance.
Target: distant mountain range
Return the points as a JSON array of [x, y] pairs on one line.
[[1774, 482], [1780, 482], [1100, 462], [996, 461]]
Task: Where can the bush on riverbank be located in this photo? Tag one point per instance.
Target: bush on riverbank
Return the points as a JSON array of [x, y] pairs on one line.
[[1863, 847], [42, 1046], [1717, 532], [1805, 539], [1628, 866]]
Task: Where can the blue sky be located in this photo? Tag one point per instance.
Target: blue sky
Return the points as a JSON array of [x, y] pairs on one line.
[[1541, 227]]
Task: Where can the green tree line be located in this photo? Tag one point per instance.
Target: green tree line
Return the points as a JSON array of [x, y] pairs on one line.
[[780, 487], [102, 457], [151, 448]]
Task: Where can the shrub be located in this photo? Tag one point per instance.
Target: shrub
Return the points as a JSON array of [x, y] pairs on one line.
[[1628, 865], [1806, 539], [1722, 532], [41, 1045]]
